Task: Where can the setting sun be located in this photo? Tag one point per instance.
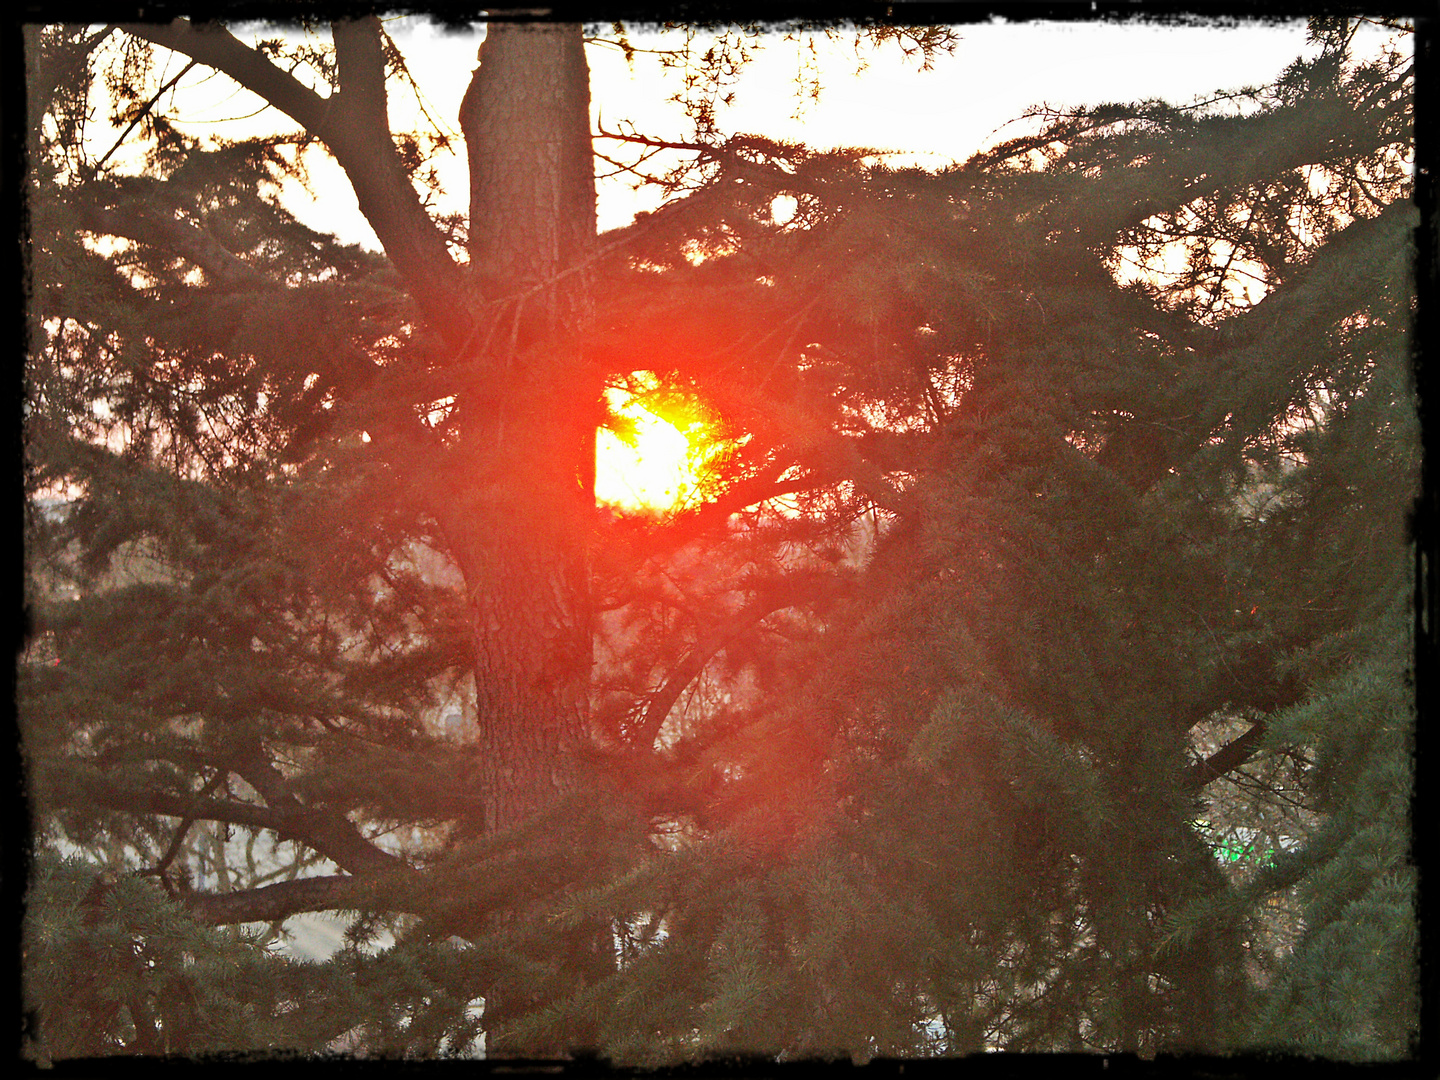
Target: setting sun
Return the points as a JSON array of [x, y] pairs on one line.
[[644, 461]]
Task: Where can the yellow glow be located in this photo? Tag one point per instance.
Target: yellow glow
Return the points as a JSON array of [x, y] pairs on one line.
[[652, 465]]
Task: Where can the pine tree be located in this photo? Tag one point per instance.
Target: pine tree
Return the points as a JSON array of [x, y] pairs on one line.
[[1021, 581]]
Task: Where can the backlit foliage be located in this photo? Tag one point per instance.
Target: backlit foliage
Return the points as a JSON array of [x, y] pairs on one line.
[[1029, 671]]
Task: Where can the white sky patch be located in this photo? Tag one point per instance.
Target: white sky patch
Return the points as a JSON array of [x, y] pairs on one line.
[[870, 97], [967, 101]]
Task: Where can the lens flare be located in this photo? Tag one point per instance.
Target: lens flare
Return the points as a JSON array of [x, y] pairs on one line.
[[646, 462]]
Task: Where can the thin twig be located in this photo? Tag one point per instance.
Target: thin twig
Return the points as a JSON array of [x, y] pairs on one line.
[[144, 112]]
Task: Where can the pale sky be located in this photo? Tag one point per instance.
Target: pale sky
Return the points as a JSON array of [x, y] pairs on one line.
[[932, 118], [966, 102]]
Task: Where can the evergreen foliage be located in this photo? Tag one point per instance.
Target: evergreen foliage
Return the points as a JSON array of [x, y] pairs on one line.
[[1056, 546]]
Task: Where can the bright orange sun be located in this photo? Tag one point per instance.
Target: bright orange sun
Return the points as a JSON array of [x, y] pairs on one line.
[[645, 461]]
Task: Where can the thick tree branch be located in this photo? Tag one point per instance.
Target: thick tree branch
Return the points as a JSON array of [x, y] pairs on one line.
[[1230, 756], [712, 515], [273, 903], [214, 46], [360, 67], [329, 832], [1246, 681], [352, 124], [685, 672], [102, 792], [789, 594], [222, 266]]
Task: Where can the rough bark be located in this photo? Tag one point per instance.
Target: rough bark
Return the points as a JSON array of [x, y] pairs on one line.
[[526, 121], [520, 526], [519, 522]]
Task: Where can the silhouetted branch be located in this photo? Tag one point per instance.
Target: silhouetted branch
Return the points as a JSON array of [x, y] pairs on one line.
[[789, 594], [101, 792], [221, 265], [274, 903], [352, 123], [329, 832], [1230, 756]]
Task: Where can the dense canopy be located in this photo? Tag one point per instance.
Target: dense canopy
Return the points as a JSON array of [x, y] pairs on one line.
[[1029, 668]]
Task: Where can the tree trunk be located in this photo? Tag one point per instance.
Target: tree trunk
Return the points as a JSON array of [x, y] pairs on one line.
[[526, 497], [522, 540]]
